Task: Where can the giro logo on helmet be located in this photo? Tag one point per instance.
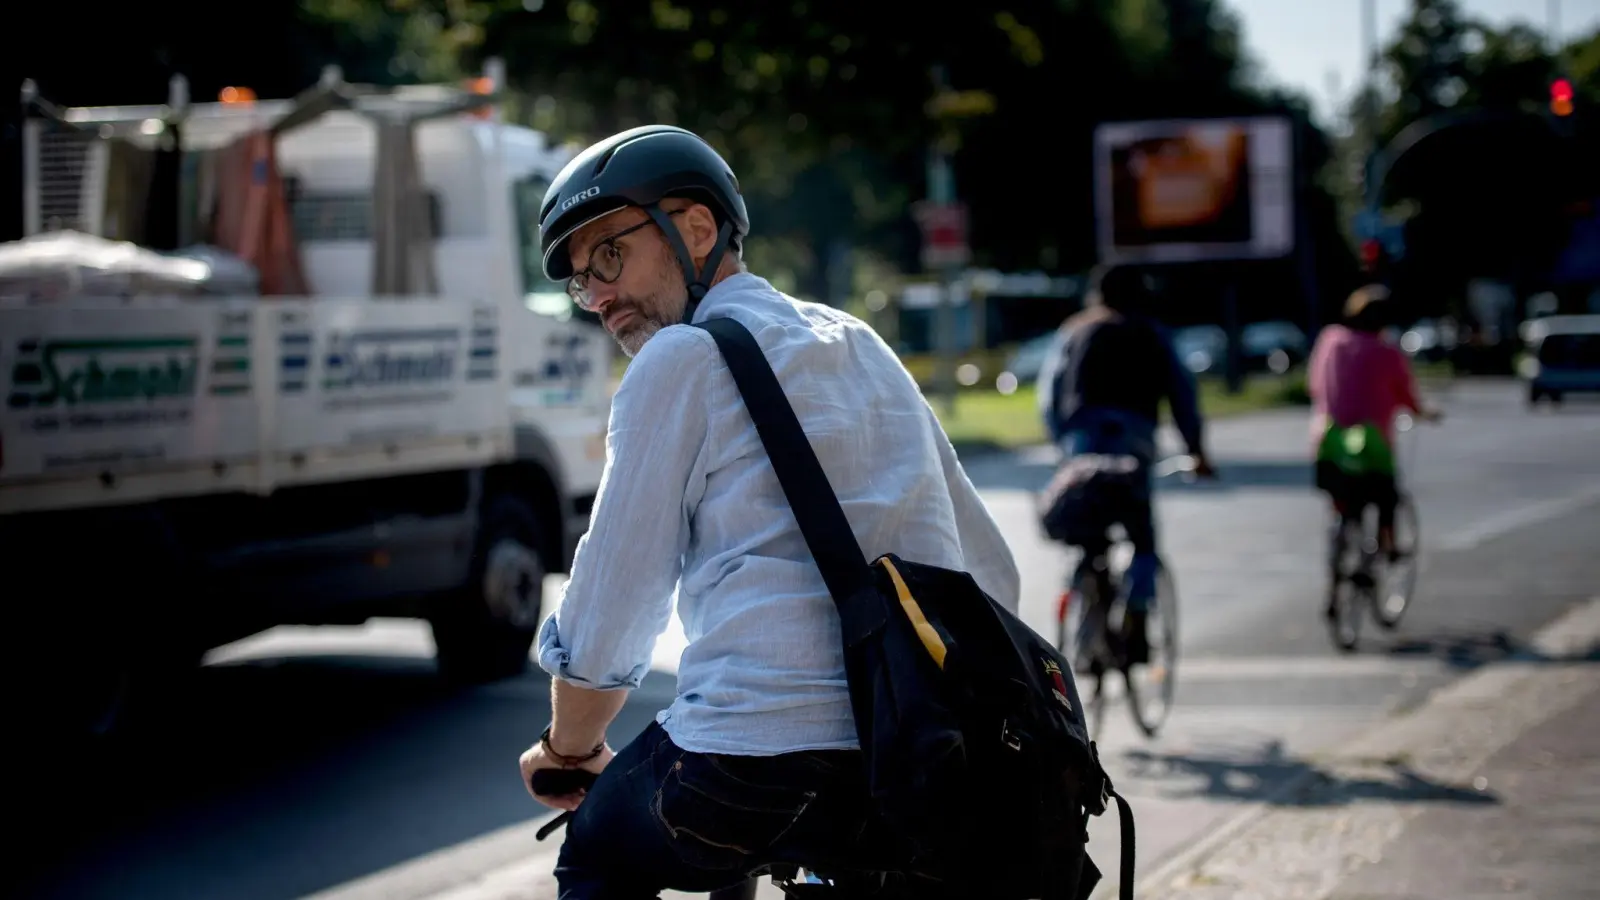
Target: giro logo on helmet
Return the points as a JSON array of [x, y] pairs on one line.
[[579, 197]]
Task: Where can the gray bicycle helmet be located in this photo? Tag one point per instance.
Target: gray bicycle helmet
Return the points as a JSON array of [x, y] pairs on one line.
[[641, 167]]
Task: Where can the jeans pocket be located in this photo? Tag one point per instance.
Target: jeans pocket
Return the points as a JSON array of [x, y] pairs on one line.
[[723, 812]]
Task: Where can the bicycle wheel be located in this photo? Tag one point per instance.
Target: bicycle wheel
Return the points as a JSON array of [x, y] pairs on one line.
[[1399, 582], [1151, 686], [1080, 636], [1344, 612], [1095, 715], [1070, 626]]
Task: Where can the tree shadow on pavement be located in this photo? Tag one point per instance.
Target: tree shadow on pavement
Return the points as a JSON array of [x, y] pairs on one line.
[[1273, 776], [1247, 473]]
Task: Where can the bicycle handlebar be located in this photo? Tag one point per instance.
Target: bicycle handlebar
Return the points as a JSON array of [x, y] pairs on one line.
[[559, 783], [1182, 464]]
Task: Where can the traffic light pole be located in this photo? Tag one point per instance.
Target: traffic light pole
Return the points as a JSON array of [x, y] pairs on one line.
[[1233, 365], [1369, 102]]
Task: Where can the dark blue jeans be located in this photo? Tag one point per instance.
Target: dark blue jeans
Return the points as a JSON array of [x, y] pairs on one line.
[[661, 818]]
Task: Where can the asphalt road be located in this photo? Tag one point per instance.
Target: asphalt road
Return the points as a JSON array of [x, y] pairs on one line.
[[329, 762]]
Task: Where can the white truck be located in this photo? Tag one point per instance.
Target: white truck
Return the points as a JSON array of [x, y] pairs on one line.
[[179, 472]]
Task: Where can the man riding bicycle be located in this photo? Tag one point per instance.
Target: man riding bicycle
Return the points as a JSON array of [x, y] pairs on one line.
[[756, 760], [1358, 383], [1100, 392]]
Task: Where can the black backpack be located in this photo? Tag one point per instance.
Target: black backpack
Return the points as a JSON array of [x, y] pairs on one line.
[[954, 698]]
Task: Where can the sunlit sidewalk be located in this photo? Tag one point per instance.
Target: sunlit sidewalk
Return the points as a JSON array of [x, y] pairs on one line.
[[1492, 788]]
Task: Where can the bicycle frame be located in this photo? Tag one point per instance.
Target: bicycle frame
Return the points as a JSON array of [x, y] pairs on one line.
[[1096, 587]]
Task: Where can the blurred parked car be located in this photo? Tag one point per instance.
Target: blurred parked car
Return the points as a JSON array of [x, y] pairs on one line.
[[1273, 346], [1201, 348], [1564, 357], [1428, 339], [1023, 365]]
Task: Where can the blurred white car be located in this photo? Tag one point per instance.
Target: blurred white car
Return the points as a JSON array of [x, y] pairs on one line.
[[1023, 365]]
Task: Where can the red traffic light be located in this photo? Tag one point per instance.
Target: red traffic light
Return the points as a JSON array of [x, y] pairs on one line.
[[1371, 254], [1561, 89], [1561, 97]]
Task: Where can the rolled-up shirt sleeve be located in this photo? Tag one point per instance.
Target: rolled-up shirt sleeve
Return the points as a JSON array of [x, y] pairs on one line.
[[618, 600]]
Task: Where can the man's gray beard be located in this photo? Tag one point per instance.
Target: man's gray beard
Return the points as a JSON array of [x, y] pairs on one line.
[[632, 341]]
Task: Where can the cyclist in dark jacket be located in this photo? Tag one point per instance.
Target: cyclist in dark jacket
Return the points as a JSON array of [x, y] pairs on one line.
[[1100, 392]]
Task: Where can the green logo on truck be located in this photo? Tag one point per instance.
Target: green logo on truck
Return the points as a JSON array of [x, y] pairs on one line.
[[79, 372]]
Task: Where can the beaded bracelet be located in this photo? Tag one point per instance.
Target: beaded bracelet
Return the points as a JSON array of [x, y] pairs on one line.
[[544, 741]]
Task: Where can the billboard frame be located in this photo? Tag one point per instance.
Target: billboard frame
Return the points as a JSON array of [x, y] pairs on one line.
[[1270, 168]]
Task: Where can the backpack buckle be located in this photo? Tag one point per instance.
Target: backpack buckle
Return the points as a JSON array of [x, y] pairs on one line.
[[1008, 737], [1099, 801], [1103, 792]]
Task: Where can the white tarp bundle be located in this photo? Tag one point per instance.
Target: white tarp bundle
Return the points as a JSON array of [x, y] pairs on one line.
[[58, 265]]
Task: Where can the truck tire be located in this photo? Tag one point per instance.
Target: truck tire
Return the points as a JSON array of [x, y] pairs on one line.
[[484, 632]]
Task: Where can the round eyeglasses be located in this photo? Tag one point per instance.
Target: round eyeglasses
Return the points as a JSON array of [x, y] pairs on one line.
[[605, 264]]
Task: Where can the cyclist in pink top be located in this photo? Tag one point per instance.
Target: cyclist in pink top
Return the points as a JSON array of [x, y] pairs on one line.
[[1359, 379]]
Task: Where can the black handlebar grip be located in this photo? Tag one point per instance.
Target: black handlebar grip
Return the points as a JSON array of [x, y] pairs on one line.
[[561, 782]]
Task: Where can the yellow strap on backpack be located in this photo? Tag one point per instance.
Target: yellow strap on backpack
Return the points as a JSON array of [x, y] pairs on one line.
[[925, 631]]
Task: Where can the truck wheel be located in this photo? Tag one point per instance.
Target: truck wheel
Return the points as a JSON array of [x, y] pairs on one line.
[[483, 633]]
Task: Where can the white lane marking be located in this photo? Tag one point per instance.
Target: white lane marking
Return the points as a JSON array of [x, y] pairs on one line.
[[1507, 521]]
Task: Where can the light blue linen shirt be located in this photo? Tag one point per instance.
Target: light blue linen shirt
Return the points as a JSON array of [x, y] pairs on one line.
[[689, 504]]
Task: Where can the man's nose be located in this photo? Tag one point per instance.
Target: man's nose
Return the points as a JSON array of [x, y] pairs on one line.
[[601, 295]]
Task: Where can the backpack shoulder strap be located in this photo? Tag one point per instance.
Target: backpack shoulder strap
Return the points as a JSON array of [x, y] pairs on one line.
[[816, 508]]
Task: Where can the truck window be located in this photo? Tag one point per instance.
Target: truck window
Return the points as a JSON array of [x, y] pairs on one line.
[[342, 216], [542, 295]]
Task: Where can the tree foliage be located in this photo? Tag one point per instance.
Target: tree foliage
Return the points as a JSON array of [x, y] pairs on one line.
[[827, 107], [1492, 194]]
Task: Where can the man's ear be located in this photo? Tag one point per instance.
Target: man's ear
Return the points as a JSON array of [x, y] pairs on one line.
[[699, 232]]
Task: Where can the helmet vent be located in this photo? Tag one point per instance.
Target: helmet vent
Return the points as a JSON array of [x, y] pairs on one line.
[[605, 158]]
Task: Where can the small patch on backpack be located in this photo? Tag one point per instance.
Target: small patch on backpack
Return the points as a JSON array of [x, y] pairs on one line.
[[1057, 682]]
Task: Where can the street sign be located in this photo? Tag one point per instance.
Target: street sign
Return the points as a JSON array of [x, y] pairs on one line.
[[944, 233]]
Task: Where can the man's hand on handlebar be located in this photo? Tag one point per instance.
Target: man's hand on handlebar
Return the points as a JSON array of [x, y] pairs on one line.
[[555, 784]]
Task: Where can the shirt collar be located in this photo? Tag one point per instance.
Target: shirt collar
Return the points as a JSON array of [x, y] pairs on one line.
[[734, 290]]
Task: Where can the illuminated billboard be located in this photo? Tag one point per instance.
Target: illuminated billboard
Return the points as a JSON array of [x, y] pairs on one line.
[[1190, 190]]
